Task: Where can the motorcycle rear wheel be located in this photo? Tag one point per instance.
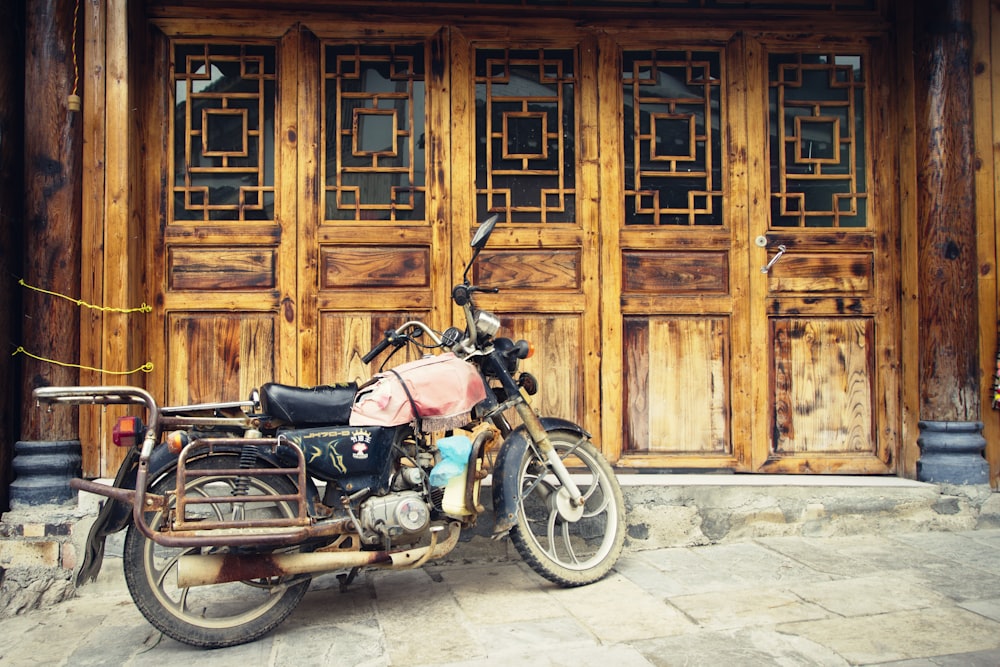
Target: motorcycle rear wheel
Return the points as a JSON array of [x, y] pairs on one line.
[[569, 546], [219, 615]]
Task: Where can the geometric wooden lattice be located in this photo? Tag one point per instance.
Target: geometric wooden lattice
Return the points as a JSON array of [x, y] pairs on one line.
[[526, 129], [673, 137], [817, 111], [373, 126], [223, 129]]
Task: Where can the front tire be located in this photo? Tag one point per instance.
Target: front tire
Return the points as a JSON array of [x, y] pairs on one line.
[[566, 545], [210, 616]]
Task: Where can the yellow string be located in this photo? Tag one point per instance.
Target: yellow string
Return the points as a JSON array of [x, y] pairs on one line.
[[145, 368], [144, 308]]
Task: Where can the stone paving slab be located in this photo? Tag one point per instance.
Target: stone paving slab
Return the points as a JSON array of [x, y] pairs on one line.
[[908, 600]]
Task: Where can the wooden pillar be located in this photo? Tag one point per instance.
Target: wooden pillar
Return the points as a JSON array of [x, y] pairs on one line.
[[11, 222], [946, 223], [52, 147]]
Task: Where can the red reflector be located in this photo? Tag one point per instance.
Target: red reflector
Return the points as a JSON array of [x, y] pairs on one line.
[[126, 431]]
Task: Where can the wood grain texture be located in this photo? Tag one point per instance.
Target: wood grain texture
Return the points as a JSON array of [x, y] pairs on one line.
[[946, 221], [678, 385], [51, 226], [823, 374], [219, 356]]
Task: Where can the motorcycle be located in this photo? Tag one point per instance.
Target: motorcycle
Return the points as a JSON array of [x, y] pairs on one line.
[[230, 508]]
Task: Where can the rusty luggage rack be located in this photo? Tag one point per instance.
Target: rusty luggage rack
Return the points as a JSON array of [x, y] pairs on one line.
[[178, 531], [178, 517]]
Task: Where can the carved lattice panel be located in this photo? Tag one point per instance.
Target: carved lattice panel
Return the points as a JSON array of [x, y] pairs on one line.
[[373, 129], [673, 139], [525, 125], [817, 135], [223, 129]]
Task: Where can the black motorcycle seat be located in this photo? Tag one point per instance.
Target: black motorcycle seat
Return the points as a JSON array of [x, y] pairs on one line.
[[301, 406]]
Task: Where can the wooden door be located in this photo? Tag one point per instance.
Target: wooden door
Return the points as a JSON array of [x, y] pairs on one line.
[[823, 299], [674, 230], [524, 144], [373, 246], [223, 255], [717, 151]]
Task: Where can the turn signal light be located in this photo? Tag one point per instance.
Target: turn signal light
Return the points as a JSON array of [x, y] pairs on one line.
[[176, 441], [528, 383], [126, 431]]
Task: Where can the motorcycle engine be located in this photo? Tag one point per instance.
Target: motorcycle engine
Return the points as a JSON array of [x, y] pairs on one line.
[[396, 515]]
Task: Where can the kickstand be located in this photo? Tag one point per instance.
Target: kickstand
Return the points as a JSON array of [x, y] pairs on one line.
[[346, 579]]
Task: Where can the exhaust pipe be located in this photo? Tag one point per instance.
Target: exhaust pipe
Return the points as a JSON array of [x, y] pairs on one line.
[[204, 570]]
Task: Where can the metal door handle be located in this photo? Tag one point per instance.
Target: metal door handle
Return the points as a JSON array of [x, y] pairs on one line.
[[774, 260]]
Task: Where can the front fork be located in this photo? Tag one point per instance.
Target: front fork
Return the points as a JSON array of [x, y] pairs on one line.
[[535, 429], [541, 439]]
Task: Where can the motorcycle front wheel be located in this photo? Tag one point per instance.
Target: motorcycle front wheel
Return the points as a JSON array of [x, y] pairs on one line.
[[219, 615], [570, 546]]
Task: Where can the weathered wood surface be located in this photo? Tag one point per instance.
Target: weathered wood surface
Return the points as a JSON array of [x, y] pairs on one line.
[[322, 291], [52, 144], [986, 96], [946, 213]]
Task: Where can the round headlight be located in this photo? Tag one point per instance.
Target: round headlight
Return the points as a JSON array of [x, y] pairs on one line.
[[487, 324]]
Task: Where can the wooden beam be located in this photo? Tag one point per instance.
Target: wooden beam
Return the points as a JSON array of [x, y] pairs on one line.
[[52, 146], [946, 213], [92, 220], [986, 90]]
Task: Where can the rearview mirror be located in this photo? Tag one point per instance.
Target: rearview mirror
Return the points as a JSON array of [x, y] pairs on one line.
[[482, 234]]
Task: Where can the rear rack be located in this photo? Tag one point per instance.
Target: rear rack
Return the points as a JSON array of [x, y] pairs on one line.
[[180, 521], [184, 528], [180, 529]]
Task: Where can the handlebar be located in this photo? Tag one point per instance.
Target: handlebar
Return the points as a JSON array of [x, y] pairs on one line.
[[375, 351], [399, 337]]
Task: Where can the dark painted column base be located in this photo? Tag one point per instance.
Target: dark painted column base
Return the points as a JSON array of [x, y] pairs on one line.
[[952, 453], [42, 471]]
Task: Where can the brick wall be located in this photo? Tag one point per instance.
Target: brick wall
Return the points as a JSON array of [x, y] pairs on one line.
[[38, 557]]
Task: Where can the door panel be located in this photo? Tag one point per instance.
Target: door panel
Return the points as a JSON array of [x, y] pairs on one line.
[[826, 296], [370, 253], [689, 418], [225, 251], [242, 354], [823, 385], [522, 111]]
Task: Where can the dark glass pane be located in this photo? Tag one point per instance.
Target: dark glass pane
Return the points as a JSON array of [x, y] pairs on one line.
[[374, 158], [817, 140]]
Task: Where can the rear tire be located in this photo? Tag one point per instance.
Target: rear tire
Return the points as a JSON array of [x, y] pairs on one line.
[[219, 615], [566, 545]]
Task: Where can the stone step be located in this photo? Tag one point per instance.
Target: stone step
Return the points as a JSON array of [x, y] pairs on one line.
[[681, 510], [38, 546]]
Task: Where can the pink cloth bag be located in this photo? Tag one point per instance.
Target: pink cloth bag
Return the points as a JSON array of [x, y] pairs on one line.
[[441, 390]]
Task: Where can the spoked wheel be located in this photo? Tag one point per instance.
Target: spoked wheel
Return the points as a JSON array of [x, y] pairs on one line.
[[567, 544], [216, 615]]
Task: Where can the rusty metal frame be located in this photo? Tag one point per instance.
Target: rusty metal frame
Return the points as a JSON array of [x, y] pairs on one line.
[[195, 534], [179, 522]]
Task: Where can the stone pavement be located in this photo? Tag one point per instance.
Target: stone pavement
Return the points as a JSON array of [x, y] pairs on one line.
[[906, 600]]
